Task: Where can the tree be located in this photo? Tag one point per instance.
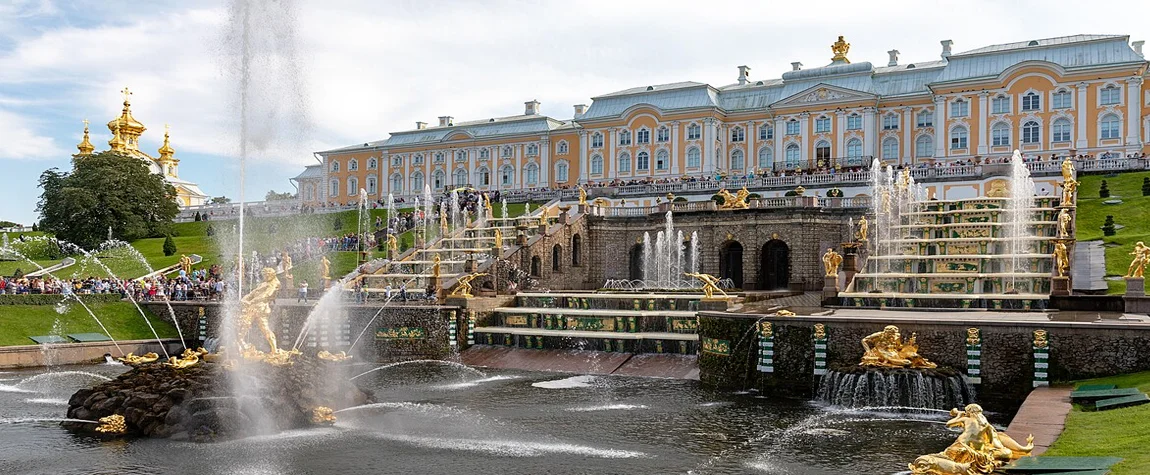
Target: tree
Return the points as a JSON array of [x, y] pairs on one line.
[[35, 226], [1104, 191], [8, 224], [105, 190], [1108, 226], [198, 218], [337, 222], [273, 196], [169, 246], [220, 200]]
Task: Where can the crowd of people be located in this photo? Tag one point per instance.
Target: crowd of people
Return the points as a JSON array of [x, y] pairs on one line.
[[49, 285]]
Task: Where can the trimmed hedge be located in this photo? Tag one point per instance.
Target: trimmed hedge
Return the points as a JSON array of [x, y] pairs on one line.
[[53, 299]]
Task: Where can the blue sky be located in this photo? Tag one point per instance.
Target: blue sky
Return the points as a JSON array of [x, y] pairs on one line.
[[369, 67]]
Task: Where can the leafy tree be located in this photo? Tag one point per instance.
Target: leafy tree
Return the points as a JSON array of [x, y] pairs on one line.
[[1108, 226], [106, 190], [8, 224], [35, 227], [337, 222], [1104, 191], [220, 200], [198, 218], [273, 196], [169, 246]]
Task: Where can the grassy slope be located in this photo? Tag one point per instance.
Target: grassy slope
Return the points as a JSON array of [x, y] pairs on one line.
[[1133, 213], [1118, 432], [18, 322]]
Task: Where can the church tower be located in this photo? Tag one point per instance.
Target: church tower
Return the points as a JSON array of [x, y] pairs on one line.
[[130, 129], [168, 163], [85, 146]]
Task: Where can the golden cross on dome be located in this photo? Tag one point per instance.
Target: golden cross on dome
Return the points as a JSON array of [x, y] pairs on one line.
[[126, 93], [85, 123]]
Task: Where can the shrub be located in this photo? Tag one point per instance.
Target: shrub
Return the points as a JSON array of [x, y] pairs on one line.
[[337, 222], [1104, 191], [754, 196], [1146, 186], [680, 199], [717, 199], [169, 245], [53, 299], [1108, 226]]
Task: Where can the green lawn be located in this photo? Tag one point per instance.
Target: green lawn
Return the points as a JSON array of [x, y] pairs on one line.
[[1117, 432], [1133, 213], [123, 321]]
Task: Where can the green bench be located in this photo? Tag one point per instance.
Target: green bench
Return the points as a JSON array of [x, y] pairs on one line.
[[49, 339], [1050, 465], [88, 337], [1125, 401], [1095, 387], [1090, 396]]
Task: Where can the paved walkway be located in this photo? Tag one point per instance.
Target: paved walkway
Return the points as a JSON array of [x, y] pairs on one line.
[[1042, 414]]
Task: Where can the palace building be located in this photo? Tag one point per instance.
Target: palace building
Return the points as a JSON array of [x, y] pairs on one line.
[[1079, 95], [126, 132]]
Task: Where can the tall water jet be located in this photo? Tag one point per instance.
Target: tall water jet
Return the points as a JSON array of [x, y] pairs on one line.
[[648, 270], [503, 205], [694, 251], [1019, 213], [428, 213]]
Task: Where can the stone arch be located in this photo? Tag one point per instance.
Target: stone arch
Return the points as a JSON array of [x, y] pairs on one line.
[[731, 262], [536, 263], [775, 265], [557, 258], [576, 244], [635, 262]]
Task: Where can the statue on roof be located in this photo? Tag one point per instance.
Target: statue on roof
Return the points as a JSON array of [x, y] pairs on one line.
[[840, 49]]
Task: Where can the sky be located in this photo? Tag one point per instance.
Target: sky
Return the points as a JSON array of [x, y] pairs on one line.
[[331, 73]]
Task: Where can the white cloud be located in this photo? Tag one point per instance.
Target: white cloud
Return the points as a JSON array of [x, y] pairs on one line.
[[22, 142]]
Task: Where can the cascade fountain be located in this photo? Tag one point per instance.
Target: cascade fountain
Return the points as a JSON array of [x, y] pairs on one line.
[[664, 260], [1019, 214]]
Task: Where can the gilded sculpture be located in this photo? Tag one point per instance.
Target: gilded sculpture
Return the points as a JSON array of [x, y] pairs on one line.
[[979, 449], [864, 226], [1061, 258], [393, 245], [325, 265], [286, 264], [322, 415], [886, 349], [1067, 169], [973, 336], [498, 239], [582, 196], [186, 264], [766, 330], [463, 286], [820, 331], [189, 358], [1064, 223], [135, 360], [734, 201], [333, 357], [256, 307], [435, 267], [1068, 188], [1040, 339], [443, 221], [886, 201], [1138, 264], [831, 262], [710, 284], [840, 49], [113, 424]]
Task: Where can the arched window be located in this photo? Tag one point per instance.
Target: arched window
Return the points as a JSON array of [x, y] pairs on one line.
[[694, 158], [484, 154], [738, 134], [532, 174], [562, 148], [532, 150], [643, 136], [335, 165], [371, 185], [766, 155], [461, 155], [1000, 134], [416, 181], [1031, 102], [460, 176], [438, 180], [624, 162], [1000, 105], [576, 245], [792, 155], [625, 137], [372, 163], [737, 161], [1031, 132], [1061, 99], [1061, 130], [661, 159], [822, 152], [854, 152], [890, 121], [483, 177], [890, 148], [958, 138], [1110, 95], [663, 134], [556, 258], [536, 263], [694, 132], [507, 151], [352, 165], [823, 125], [333, 187], [854, 122], [396, 184], [642, 161], [766, 132], [439, 157], [793, 127], [925, 119], [597, 165], [417, 159], [352, 186], [1109, 127], [562, 170], [507, 175], [596, 140], [924, 146]]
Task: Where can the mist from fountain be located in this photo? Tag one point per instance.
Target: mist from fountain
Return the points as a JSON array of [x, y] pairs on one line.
[[503, 205], [1019, 213], [135, 253], [663, 258], [694, 252], [428, 214]]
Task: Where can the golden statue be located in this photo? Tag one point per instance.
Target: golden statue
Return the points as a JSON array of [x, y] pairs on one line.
[[979, 449], [885, 349], [784, 313], [113, 424], [710, 284], [1067, 170], [256, 306], [734, 201], [831, 262], [1068, 188], [864, 225], [498, 239], [903, 180], [582, 196], [463, 286], [285, 262], [435, 267], [840, 49], [186, 264], [335, 357], [133, 360], [1138, 265], [886, 201], [325, 265], [487, 207], [1064, 223], [443, 221], [1061, 258], [189, 358], [322, 415]]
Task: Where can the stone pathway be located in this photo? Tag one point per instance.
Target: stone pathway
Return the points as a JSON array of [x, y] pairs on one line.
[[1042, 414]]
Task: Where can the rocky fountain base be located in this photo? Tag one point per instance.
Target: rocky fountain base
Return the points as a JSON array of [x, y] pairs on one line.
[[196, 402], [933, 388]]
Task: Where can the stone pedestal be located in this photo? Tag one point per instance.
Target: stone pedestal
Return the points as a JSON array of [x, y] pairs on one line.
[[1060, 286], [1135, 287], [457, 301], [521, 239], [714, 304], [584, 208], [830, 289], [470, 266], [850, 263]]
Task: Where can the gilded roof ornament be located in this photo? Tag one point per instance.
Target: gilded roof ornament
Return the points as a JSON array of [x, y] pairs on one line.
[[130, 128], [117, 142], [85, 146], [166, 150], [840, 49]]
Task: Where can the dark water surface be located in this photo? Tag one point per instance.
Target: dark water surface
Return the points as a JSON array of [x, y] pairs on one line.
[[443, 420]]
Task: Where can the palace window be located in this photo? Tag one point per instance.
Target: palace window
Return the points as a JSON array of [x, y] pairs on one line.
[[461, 155], [417, 181], [484, 176], [484, 154], [460, 177], [766, 132], [372, 163], [924, 146], [737, 162], [854, 151], [694, 158], [959, 108], [1061, 131], [643, 136], [765, 157], [417, 159], [507, 151], [333, 188], [1110, 95], [792, 127], [624, 162], [1061, 100], [890, 122], [661, 159], [694, 132], [371, 185], [1031, 102], [890, 149], [335, 165], [507, 175], [438, 180], [597, 165], [397, 161], [396, 184], [1000, 135], [642, 161], [532, 174], [1109, 127], [822, 125], [352, 165], [439, 157], [1000, 105], [597, 140], [792, 155], [532, 150], [663, 134], [822, 152], [854, 122], [737, 134], [925, 119], [562, 170], [1031, 132], [958, 138], [562, 148], [625, 137]]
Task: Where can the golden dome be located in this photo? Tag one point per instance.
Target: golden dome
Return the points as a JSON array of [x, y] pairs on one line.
[[166, 150], [117, 142], [85, 146], [129, 127]]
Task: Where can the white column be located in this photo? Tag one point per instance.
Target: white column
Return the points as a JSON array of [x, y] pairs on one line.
[[674, 148], [806, 161], [780, 144], [981, 126], [584, 144], [1133, 114], [545, 161], [751, 158], [1080, 140], [840, 136], [471, 159], [907, 135], [612, 139], [709, 146], [940, 131], [869, 131]]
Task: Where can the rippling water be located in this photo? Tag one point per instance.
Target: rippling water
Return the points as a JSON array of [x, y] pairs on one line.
[[434, 420]]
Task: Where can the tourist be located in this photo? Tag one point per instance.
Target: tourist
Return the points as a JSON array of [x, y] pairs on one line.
[[387, 292], [403, 292], [302, 292]]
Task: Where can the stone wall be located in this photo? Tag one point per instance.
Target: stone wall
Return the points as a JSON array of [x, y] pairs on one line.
[[1077, 351], [560, 240]]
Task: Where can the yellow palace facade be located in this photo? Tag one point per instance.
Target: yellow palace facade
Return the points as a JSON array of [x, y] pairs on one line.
[[1081, 95]]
